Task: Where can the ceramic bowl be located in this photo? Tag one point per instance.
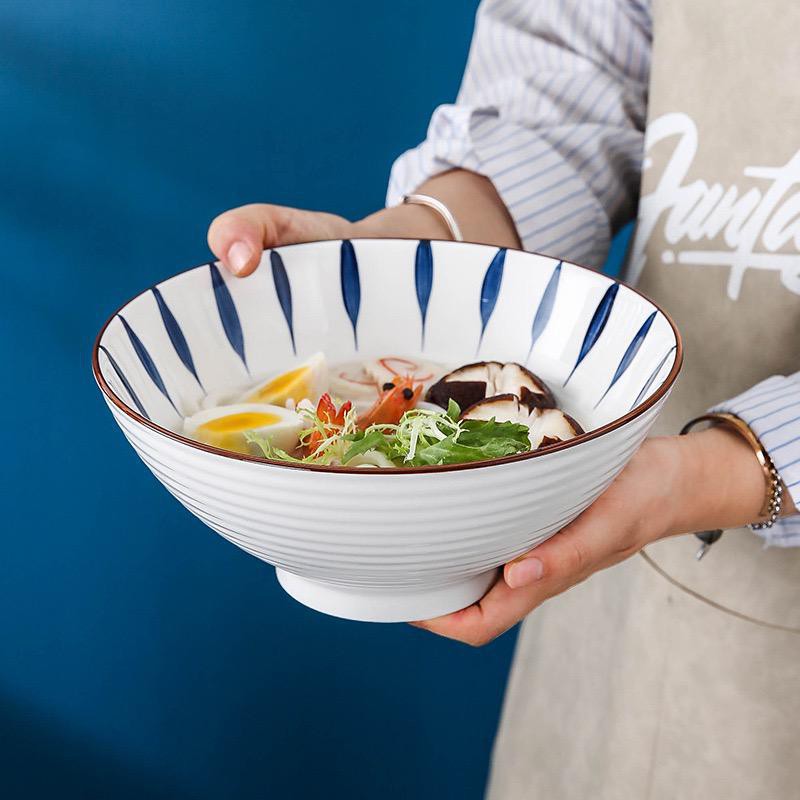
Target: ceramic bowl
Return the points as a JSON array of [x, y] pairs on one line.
[[395, 544]]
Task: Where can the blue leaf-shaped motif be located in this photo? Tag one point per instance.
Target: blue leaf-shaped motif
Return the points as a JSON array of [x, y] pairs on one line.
[[147, 362], [228, 315], [629, 354], [423, 280], [284, 291], [175, 334], [542, 316], [596, 325], [490, 289], [124, 380], [652, 377], [351, 285]]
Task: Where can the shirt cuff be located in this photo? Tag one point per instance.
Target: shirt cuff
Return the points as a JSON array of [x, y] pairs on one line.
[[772, 410], [552, 207]]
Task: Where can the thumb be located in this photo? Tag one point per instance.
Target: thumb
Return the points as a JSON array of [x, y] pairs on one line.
[[237, 237], [566, 557]]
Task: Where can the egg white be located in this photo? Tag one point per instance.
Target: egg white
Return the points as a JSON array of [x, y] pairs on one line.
[[283, 432]]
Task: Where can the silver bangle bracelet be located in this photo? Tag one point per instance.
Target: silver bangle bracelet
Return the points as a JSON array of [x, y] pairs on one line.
[[440, 208]]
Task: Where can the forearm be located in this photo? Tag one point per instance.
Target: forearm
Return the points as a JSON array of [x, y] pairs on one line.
[[473, 201], [556, 123]]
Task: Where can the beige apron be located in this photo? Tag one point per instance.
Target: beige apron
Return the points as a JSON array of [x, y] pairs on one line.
[[627, 687]]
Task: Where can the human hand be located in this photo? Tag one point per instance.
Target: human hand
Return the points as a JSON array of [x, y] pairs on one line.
[[238, 237], [672, 485]]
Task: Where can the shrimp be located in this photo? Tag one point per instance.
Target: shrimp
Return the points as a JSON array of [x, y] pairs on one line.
[[397, 396], [332, 419]]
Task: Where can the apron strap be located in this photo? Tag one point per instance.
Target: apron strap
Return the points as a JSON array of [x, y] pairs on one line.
[[708, 601]]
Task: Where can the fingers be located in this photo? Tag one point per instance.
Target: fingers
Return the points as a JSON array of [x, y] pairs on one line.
[[238, 237], [523, 571], [590, 543], [567, 553], [549, 569], [618, 524], [483, 621]]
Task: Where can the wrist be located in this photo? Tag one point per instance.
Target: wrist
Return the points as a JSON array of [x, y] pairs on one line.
[[471, 199], [403, 222], [721, 481]]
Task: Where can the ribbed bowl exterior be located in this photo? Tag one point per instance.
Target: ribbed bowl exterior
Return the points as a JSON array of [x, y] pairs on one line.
[[388, 530]]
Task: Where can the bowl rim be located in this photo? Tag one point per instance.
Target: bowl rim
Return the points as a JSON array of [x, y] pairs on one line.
[[615, 424]]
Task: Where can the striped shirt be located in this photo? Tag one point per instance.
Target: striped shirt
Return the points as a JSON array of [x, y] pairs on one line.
[[552, 109]]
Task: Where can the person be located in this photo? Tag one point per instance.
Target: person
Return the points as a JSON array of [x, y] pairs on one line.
[[664, 676]]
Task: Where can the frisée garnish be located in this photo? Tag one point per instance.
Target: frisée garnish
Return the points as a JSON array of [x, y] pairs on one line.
[[422, 437]]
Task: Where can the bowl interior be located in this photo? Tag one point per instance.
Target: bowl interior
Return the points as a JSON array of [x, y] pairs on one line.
[[603, 348]]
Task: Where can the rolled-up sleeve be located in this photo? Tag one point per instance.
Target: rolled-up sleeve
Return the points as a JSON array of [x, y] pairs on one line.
[[772, 410], [551, 110]]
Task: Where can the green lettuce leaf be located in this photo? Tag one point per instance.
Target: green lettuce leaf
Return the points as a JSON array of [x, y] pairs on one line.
[[478, 432], [477, 440], [449, 451], [361, 443], [453, 410]]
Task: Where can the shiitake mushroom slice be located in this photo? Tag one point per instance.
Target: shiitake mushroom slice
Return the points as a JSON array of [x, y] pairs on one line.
[[472, 383]]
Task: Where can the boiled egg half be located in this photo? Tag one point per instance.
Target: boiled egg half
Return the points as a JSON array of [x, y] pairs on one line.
[[310, 379], [225, 426]]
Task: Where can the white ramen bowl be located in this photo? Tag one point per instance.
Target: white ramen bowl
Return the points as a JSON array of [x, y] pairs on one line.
[[395, 544]]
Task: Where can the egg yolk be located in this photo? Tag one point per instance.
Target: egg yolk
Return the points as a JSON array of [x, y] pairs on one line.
[[290, 384], [236, 423], [227, 432]]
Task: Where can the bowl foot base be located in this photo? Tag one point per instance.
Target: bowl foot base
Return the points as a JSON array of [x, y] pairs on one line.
[[385, 605]]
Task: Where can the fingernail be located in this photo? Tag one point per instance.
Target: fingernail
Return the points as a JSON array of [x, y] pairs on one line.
[[239, 254], [524, 572]]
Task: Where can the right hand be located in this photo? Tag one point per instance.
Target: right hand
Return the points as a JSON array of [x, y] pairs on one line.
[[238, 237]]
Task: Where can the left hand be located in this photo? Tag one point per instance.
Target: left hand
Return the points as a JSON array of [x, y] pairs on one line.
[[661, 491]]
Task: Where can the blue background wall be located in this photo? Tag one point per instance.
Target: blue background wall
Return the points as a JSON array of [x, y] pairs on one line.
[[140, 654]]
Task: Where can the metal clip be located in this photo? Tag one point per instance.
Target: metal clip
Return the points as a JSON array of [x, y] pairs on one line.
[[707, 538]]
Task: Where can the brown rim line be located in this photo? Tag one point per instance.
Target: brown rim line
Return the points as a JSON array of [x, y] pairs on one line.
[[584, 437]]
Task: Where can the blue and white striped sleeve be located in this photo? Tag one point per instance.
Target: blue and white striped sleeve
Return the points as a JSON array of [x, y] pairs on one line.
[[772, 410], [552, 110]]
